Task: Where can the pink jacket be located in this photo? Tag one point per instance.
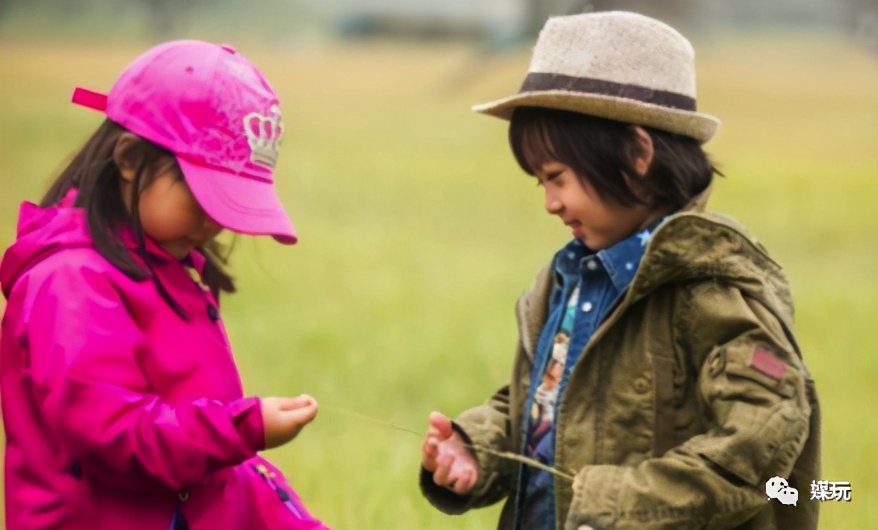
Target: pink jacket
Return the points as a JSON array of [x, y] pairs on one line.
[[118, 413]]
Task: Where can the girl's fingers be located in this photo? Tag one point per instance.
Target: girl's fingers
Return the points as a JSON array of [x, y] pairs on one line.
[[302, 415], [282, 403], [303, 401]]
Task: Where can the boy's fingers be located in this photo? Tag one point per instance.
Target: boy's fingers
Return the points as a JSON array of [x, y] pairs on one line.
[[441, 424], [459, 479], [461, 486], [440, 475], [445, 459], [431, 448], [428, 455]]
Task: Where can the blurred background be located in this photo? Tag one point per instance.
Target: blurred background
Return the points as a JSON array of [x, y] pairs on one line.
[[418, 231]]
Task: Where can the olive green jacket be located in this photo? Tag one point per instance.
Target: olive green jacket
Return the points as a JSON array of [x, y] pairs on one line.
[[687, 399]]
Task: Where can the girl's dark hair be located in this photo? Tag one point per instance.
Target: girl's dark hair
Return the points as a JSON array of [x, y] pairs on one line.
[[602, 152], [94, 174]]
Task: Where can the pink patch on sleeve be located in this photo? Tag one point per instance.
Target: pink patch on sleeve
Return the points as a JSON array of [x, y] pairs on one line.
[[767, 363]]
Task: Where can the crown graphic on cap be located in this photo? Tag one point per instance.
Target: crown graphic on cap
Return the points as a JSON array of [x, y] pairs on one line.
[[264, 134]]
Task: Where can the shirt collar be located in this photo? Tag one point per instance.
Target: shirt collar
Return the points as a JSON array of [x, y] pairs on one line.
[[620, 261]]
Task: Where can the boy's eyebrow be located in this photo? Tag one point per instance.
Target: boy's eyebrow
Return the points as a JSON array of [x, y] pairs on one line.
[[548, 168]]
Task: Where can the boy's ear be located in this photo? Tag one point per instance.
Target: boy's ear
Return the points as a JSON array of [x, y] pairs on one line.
[[645, 150], [122, 155]]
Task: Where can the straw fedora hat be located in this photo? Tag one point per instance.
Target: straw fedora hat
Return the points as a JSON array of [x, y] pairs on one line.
[[615, 65]]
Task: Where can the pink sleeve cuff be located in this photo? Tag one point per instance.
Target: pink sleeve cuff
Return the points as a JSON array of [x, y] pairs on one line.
[[246, 414]]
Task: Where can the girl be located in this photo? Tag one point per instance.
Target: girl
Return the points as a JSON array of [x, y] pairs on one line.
[[122, 404], [683, 390]]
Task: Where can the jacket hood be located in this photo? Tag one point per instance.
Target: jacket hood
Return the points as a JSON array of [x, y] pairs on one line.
[[41, 233], [697, 246]]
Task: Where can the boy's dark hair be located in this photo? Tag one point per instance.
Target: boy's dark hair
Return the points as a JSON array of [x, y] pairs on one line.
[[95, 175], [603, 152]]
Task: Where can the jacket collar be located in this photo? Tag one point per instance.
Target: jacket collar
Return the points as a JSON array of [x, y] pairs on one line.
[[620, 261]]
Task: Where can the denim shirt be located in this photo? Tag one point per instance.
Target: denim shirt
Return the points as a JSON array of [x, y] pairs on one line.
[[587, 286]]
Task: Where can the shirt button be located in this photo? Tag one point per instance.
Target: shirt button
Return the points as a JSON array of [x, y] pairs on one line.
[[591, 265], [586, 307]]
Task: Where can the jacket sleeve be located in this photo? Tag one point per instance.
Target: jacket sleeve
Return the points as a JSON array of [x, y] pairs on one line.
[[752, 390], [485, 426], [83, 354]]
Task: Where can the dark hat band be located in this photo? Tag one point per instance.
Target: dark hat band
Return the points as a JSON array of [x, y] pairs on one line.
[[537, 81]]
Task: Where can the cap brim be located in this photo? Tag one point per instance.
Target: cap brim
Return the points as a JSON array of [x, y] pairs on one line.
[[699, 126], [238, 203]]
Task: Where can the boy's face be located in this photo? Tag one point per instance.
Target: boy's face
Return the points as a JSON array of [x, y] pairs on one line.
[[596, 222]]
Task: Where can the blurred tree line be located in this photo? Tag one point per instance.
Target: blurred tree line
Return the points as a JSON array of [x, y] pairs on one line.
[[152, 19], [502, 22], [161, 16]]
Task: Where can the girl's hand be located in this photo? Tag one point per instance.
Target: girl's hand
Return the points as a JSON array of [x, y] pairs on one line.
[[445, 454], [284, 417]]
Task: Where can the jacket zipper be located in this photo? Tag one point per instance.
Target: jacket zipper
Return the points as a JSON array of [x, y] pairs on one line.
[[283, 495]]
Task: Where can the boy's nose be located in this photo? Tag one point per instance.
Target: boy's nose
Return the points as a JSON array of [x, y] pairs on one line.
[[553, 205]]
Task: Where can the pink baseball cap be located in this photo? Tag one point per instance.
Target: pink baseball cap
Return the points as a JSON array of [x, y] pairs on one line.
[[216, 112]]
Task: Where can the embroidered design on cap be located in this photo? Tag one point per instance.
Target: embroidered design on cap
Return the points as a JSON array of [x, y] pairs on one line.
[[264, 134]]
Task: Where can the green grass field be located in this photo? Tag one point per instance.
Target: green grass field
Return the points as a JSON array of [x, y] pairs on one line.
[[418, 232]]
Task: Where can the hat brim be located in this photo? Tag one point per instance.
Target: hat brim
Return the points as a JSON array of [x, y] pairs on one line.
[[238, 203], [701, 127]]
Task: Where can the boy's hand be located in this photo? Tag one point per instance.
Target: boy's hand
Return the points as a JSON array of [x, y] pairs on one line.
[[445, 454], [284, 417]]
